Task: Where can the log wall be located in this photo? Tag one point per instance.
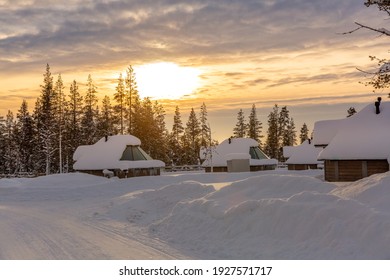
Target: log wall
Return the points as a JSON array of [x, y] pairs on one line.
[[353, 170]]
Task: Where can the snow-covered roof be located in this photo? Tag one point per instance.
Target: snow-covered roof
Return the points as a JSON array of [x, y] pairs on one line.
[[107, 154], [306, 153], [224, 151], [364, 136], [288, 151], [324, 131]]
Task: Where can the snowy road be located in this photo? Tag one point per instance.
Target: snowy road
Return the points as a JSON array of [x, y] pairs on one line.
[[42, 223], [35, 234]]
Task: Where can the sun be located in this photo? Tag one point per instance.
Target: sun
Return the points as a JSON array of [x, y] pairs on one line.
[[166, 80]]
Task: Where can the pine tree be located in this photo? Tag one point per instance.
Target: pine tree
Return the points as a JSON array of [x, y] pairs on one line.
[[106, 120], [146, 122], [25, 138], [292, 133], [254, 125], [73, 122], [177, 128], [2, 145], [120, 107], [272, 145], [132, 99], [90, 114], [304, 133], [160, 147], [44, 115], [204, 127], [284, 122], [10, 149], [192, 138], [239, 131], [287, 132], [174, 140], [60, 118]]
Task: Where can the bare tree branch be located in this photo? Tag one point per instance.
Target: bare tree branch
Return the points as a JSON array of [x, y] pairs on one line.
[[350, 32], [383, 31], [366, 72]]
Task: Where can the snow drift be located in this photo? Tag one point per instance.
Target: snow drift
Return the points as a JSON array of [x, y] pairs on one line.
[[255, 215], [263, 217]]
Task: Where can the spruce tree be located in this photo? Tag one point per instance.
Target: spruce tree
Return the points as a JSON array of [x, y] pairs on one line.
[[287, 132], [132, 99], [177, 128], [239, 131], [60, 118], [120, 107], [151, 129], [73, 123], [106, 119], [10, 150], [90, 114], [44, 115], [292, 133], [175, 145], [254, 125], [160, 149], [283, 123], [192, 138], [25, 138], [2, 145], [304, 133], [146, 122], [272, 143], [204, 127]]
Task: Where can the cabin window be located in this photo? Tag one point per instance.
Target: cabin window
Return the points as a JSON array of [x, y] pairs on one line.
[[256, 153], [134, 153]]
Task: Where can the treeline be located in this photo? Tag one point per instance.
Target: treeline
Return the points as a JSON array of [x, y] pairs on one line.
[[281, 130], [44, 141]]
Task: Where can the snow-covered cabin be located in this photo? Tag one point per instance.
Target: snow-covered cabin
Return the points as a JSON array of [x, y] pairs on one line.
[[119, 155], [236, 149], [302, 157], [355, 147]]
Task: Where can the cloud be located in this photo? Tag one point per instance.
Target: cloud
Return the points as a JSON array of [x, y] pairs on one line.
[[105, 32], [5, 96], [244, 45]]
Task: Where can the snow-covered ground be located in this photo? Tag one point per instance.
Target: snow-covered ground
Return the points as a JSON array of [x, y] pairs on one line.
[[260, 215]]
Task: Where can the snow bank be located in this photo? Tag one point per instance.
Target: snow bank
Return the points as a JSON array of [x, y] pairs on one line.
[[276, 217], [271, 216], [372, 191], [66, 180], [149, 206]]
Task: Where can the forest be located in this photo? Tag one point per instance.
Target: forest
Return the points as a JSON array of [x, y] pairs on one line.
[[43, 142]]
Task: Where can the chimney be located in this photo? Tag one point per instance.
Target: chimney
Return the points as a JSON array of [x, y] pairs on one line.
[[377, 104]]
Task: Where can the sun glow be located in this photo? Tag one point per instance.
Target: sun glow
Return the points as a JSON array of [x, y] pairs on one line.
[[166, 80]]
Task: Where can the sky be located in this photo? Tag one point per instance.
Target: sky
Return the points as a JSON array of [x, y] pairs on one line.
[[229, 54]]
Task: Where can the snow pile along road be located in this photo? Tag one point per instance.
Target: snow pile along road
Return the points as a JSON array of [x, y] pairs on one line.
[[258, 215], [263, 217]]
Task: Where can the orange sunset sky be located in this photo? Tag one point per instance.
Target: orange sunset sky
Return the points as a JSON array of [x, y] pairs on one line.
[[226, 53]]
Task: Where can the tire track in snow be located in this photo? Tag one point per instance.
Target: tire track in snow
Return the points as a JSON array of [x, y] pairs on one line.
[[30, 233]]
